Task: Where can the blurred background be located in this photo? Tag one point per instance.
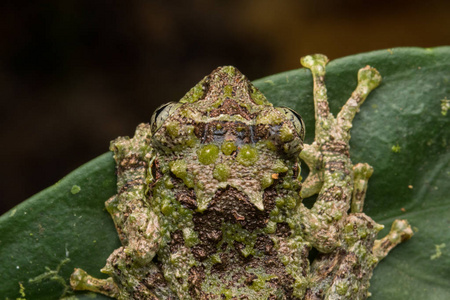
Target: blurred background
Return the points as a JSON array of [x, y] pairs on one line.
[[76, 74]]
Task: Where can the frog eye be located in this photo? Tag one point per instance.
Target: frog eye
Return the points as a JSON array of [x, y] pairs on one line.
[[295, 119], [162, 113]]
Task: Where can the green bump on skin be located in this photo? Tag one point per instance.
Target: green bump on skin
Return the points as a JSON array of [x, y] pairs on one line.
[[221, 172], [279, 167], [179, 168], [271, 227], [286, 133], [290, 202], [275, 213], [270, 145], [192, 141], [228, 147], [266, 181], [173, 129], [208, 154], [286, 185], [280, 202], [168, 183], [247, 155], [190, 237], [166, 207]]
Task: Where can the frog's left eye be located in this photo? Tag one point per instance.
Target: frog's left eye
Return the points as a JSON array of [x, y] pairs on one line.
[[295, 119], [162, 113]]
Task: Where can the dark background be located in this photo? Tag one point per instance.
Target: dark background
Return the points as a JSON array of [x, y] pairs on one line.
[[76, 74]]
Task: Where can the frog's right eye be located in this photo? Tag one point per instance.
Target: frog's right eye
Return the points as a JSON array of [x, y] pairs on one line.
[[295, 118], [162, 113]]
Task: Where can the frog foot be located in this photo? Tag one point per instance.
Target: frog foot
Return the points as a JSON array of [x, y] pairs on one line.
[[400, 231], [80, 280]]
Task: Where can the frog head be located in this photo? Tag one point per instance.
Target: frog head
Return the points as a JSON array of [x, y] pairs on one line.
[[225, 133]]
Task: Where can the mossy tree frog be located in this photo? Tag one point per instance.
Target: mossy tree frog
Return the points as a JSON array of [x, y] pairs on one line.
[[209, 201]]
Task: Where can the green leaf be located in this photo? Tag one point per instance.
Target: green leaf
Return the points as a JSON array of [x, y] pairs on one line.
[[400, 131]]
